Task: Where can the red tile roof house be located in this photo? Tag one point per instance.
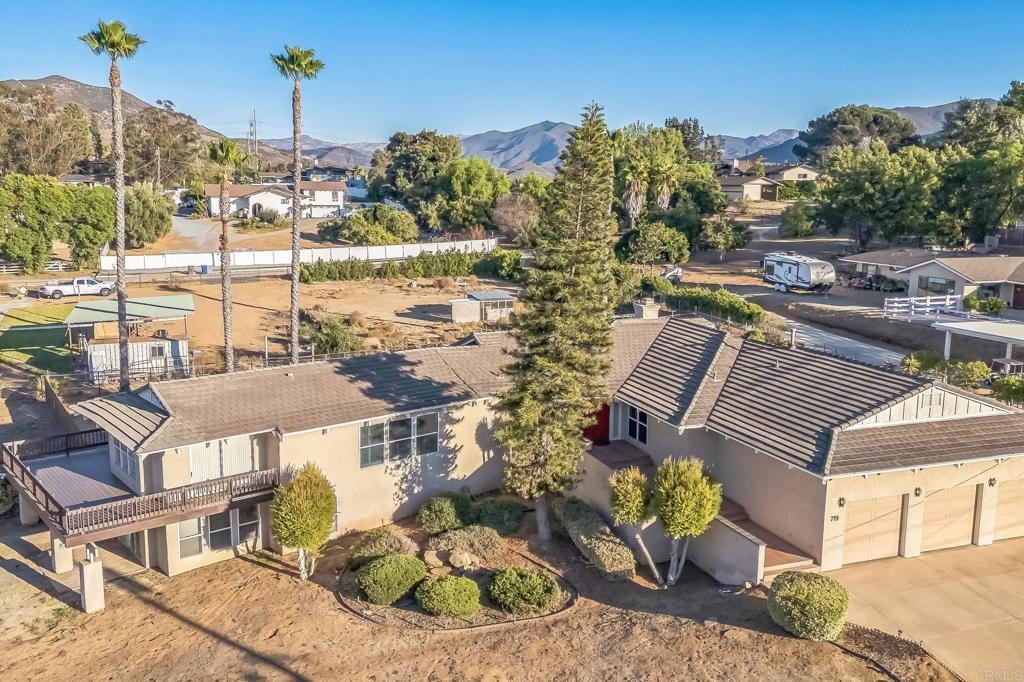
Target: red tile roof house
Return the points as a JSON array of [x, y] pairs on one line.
[[824, 461]]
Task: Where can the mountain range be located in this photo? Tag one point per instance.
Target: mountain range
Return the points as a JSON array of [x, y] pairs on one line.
[[534, 148]]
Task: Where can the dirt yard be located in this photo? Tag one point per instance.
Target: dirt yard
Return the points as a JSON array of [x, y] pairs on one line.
[[393, 310], [251, 619], [203, 235]]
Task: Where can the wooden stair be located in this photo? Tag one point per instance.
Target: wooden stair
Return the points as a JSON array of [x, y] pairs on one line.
[[779, 555]]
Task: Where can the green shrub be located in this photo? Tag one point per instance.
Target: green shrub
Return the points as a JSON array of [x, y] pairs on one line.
[[449, 596], [377, 543], [967, 374], [809, 605], [389, 270], [1009, 389], [8, 496], [595, 539], [797, 220], [659, 285], [720, 302], [504, 516], [523, 590], [921, 361], [387, 579], [501, 263], [333, 336], [479, 540], [447, 511], [993, 305]]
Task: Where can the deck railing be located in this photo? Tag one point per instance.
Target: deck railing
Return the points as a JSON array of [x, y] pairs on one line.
[[17, 470], [64, 443], [181, 500]]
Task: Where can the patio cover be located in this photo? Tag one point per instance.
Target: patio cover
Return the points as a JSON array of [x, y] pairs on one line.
[[172, 307], [1004, 331]]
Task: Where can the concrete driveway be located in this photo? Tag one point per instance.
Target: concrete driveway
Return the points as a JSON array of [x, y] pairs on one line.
[[965, 605]]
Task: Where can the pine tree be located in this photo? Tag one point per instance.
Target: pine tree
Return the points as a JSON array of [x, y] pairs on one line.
[[563, 336]]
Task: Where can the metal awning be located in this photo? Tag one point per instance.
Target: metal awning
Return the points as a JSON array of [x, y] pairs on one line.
[[1003, 331]]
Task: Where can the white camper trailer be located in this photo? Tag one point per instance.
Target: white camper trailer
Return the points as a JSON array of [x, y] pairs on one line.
[[792, 271]]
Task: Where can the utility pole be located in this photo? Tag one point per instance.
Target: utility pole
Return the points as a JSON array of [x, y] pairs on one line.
[[158, 166], [252, 144]]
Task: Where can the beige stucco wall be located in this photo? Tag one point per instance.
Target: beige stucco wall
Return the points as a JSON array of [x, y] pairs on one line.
[[906, 483], [172, 564], [934, 270], [795, 173]]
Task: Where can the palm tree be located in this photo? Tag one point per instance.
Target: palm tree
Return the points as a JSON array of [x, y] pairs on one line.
[[113, 40], [664, 180], [634, 183], [228, 158], [296, 64]]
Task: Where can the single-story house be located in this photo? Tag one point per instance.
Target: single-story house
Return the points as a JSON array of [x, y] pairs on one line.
[[792, 172], [86, 179], [937, 273], [319, 173], [482, 306], [319, 199], [823, 461], [748, 187]]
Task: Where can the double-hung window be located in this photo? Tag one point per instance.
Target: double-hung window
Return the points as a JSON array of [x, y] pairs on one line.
[[218, 532], [127, 460], [248, 523], [219, 529], [637, 426], [190, 537], [398, 439]]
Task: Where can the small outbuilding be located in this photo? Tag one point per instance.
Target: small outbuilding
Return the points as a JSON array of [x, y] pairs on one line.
[[736, 187], [482, 306]]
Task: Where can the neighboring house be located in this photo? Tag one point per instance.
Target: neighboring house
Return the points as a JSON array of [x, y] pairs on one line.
[[324, 173], [749, 187], [356, 189], [791, 172], [823, 461], [86, 179], [937, 273], [482, 306], [273, 178], [320, 199], [733, 167]]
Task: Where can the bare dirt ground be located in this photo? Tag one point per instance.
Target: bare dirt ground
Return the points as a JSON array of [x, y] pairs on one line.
[[393, 310], [251, 619], [203, 235]]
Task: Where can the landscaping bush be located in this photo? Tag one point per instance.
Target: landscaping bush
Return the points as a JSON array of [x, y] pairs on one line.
[[993, 305], [499, 263], [523, 590], [387, 579], [595, 539], [720, 302], [809, 605], [504, 516], [1009, 389], [967, 374], [797, 220], [447, 511], [377, 543], [478, 540], [449, 595], [921, 361], [8, 496]]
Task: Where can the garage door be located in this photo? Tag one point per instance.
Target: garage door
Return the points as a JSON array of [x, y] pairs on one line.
[[1010, 509], [948, 518], [872, 529]]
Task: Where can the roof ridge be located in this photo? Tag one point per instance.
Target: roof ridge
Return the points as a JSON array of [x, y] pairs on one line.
[[706, 378]]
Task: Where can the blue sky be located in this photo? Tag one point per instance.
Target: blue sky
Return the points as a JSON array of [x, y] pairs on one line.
[[467, 67]]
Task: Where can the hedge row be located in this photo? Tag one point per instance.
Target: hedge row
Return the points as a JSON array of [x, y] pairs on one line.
[[595, 539], [498, 263], [450, 511], [719, 302]]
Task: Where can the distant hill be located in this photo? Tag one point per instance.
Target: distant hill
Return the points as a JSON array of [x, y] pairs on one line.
[[533, 148], [929, 120], [780, 153], [741, 147]]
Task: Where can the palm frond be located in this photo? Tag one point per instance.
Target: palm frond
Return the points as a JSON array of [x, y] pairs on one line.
[[113, 40], [296, 63]]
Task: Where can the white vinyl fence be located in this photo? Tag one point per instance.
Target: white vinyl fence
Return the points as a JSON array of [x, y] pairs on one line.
[[920, 306], [283, 257]]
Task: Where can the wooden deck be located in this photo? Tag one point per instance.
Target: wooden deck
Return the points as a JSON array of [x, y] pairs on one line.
[[619, 454]]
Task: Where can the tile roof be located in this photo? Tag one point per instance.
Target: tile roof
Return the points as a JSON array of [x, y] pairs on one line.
[[248, 190], [711, 388], [292, 399], [671, 372], [786, 402], [739, 180], [927, 443], [897, 258]]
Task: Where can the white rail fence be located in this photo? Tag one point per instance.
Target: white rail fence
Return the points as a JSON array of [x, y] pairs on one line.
[[910, 307], [283, 257]]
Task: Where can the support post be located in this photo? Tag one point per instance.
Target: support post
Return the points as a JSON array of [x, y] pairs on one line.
[[1009, 351], [90, 579], [27, 514], [945, 348], [61, 560]]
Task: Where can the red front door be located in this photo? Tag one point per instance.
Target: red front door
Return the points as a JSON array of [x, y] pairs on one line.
[[597, 433], [1018, 296]]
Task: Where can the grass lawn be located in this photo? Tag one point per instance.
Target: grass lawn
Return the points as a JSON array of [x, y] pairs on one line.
[[41, 348], [53, 313]]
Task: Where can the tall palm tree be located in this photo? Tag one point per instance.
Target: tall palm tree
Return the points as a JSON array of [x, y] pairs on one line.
[[634, 186], [296, 65], [664, 174], [228, 157], [113, 40]]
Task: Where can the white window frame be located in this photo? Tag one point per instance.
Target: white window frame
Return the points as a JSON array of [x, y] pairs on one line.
[[637, 424], [413, 438], [234, 528], [127, 460]]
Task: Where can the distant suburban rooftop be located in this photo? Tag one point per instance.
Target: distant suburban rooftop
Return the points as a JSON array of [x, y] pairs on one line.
[[237, 191], [171, 307], [324, 185], [976, 268], [896, 258], [492, 295], [740, 180]]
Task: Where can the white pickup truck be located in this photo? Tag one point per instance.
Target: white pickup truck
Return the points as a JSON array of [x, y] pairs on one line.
[[80, 286]]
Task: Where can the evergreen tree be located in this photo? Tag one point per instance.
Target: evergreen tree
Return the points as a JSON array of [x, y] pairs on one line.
[[564, 335]]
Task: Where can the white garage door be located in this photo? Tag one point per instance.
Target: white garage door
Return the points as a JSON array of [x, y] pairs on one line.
[[872, 529], [1010, 509], [948, 518]]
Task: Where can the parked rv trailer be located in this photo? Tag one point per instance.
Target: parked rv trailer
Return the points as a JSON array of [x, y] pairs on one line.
[[792, 271]]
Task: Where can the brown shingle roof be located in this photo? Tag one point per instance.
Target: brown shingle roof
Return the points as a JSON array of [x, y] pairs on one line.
[[927, 443], [986, 268], [669, 376], [324, 185], [896, 258], [786, 402], [247, 190]]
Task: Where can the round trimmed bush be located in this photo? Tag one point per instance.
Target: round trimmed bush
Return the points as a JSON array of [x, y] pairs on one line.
[[504, 516], [479, 540], [447, 511], [377, 543], [809, 605], [449, 595], [389, 578], [523, 590]]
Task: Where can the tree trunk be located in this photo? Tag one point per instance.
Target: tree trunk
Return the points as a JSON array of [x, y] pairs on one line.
[[225, 276], [296, 210], [673, 561], [647, 555], [303, 572], [540, 505], [117, 142], [682, 561]]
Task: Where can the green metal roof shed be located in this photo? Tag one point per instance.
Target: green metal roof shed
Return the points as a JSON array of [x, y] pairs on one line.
[[171, 307]]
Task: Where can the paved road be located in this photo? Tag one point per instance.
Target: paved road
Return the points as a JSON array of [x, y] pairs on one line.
[[812, 337]]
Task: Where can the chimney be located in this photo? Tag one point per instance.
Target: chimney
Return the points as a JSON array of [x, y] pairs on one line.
[[646, 309]]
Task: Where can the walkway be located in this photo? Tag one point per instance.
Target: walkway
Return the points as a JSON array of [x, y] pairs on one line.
[[966, 605]]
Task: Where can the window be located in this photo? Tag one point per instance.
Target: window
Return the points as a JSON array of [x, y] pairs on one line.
[[801, 176], [371, 445], [334, 196], [219, 530], [637, 427], [126, 460], [935, 286], [156, 351], [248, 523], [398, 439], [190, 538]]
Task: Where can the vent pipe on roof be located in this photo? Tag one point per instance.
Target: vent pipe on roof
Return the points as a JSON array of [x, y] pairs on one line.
[[792, 338]]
